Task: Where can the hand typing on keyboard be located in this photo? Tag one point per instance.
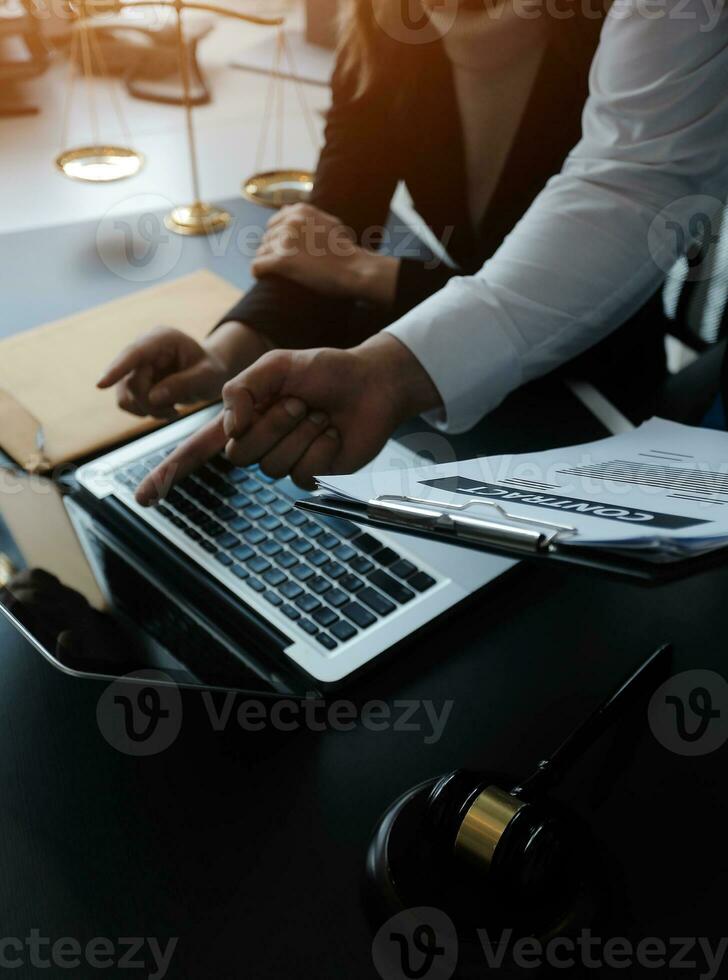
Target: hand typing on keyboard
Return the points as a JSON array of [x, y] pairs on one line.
[[305, 413]]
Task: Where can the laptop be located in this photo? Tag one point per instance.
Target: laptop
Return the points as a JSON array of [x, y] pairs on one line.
[[311, 601]]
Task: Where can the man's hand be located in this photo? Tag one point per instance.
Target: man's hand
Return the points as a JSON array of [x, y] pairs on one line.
[[167, 367], [306, 413], [317, 250]]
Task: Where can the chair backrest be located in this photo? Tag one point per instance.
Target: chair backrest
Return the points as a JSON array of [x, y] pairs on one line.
[[696, 291]]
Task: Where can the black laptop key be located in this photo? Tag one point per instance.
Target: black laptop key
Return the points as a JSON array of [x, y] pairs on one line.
[[391, 586], [368, 544], [291, 590], [421, 581], [308, 627], [248, 485], [224, 559], [290, 611], [285, 535], [326, 641], [336, 598], [403, 568], [265, 496], [362, 565], [256, 585], [359, 615], [317, 558], [239, 524], [274, 577], [255, 512], [271, 548], [224, 513], [193, 533], [343, 631], [208, 546], [351, 583], [308, 602], [319, 585], [213, 529], [241, 500], [254, 536], [386, 556], [228, 540], [345, 552], [376, 601], [333, 569], [311, 529], [328, 541], [302, 572], [243, 552], [241, 572], [270, 523], [345, 528], [237, 475], [258, 564], [296, 518], [281, 507], [301, 546], [286, 559], [325, 616], [273, 598]]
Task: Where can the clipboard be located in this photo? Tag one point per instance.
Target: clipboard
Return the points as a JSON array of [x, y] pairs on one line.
[[506, 535]]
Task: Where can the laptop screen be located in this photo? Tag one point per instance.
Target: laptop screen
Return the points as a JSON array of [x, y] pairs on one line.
[[93, 610]]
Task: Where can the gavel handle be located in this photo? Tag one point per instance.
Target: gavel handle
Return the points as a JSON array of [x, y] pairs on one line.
[[636, 686]]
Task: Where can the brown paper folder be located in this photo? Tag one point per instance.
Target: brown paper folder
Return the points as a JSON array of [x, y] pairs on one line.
[[48, 375]]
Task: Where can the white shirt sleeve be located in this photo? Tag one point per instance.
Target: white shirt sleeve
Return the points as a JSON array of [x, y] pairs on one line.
[[598, 240]]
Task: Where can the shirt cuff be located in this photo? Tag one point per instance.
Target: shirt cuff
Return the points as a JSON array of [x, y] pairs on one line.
[[470, 356]]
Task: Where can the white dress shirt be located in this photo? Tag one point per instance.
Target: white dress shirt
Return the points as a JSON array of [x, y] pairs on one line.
[[596, 243]]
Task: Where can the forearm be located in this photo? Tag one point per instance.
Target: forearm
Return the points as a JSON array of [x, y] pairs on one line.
[[235, 345]]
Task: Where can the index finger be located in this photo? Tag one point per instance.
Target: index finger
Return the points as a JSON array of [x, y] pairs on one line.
[[125, 362], [187, 457]]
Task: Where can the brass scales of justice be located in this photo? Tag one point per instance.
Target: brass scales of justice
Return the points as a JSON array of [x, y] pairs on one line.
[[101, 162]]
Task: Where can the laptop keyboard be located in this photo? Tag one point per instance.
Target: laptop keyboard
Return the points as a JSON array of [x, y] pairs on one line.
[[326, 575]]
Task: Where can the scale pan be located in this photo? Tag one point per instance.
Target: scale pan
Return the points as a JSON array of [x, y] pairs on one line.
[[99, 164], [276, 188]]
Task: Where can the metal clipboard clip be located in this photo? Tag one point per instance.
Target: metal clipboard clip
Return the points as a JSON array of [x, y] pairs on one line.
[[513, 533]]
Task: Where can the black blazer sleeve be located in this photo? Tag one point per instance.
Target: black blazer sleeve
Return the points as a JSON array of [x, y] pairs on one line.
[[356, 177]]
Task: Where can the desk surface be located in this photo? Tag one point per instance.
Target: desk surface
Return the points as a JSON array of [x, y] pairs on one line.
[[249, 847]]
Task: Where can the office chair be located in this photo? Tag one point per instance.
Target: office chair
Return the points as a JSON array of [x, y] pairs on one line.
[[697, 306], [23, 55]]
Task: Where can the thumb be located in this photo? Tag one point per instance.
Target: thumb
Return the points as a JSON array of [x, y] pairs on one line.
[[194, 384]]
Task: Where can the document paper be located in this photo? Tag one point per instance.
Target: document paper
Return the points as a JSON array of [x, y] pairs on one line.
[[661, 489]]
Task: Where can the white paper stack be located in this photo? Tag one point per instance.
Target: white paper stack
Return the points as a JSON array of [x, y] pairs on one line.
[[660, 491]]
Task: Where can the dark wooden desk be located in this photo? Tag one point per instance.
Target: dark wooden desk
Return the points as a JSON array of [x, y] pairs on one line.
[[250, 847]]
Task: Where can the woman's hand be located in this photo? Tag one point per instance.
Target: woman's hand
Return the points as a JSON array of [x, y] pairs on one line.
[[316, 250], [305, 413], [167, 367]]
